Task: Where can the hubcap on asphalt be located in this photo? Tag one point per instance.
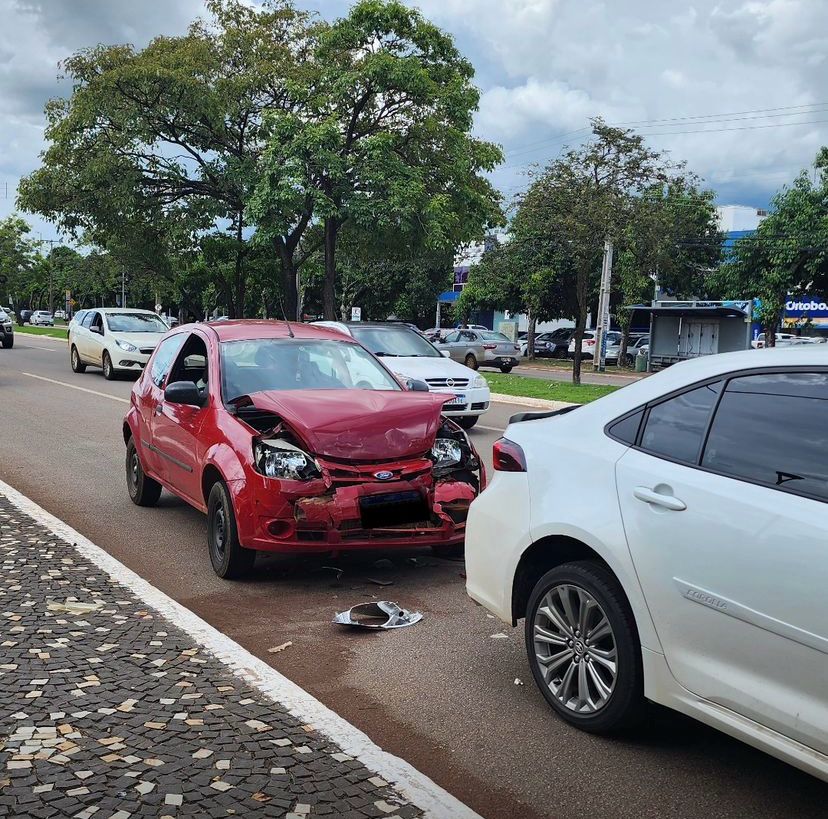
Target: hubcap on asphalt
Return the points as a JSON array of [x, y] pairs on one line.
[[575, 649]]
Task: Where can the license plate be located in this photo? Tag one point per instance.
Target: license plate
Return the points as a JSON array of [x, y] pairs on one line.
[[393, 509], [458, 399], [505, 360]]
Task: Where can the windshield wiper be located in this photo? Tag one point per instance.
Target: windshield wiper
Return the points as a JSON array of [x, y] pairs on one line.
[[382, 354]]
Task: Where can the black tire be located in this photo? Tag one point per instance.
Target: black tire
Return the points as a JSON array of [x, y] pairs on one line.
[[8, 342], [467, 421], [506, 368], [143, 490], [108, 370], [75, 360], [624, 704], [230, 560], [471, 362]]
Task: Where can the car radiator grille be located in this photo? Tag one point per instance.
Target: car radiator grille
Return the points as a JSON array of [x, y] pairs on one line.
[[458, 383], [147, 350], [354, 474]]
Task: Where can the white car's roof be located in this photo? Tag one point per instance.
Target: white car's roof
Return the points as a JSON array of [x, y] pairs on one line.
[[130, 310], [688, 372]]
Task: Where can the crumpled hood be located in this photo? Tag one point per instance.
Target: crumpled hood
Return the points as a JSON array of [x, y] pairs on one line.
[[360, 424]]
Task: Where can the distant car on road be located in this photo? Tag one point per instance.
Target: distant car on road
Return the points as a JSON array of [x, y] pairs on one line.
[[787, 340], [408, 355], [481, 348], [6, 329], [60, 314], [588, 345], [668, 542], [42, 318], [640, 345], [115, 339], [296, 440]]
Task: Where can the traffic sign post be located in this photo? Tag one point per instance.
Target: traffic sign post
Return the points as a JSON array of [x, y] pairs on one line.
[[356, 314]]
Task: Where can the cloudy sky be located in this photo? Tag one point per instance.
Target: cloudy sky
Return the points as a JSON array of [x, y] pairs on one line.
[[738, 88]]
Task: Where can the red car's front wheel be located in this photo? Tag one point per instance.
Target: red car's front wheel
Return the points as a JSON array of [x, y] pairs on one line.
[[230, 560]]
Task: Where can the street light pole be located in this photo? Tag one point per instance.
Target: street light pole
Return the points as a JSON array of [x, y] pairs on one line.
[[123, 288], [602, 324]]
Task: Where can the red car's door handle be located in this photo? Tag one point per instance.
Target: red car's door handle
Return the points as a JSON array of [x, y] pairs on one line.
[[654, 498]]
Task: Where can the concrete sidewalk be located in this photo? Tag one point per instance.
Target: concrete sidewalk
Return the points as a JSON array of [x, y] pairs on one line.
[[116, 702]]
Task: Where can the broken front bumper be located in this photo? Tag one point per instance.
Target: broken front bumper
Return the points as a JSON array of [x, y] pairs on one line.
[[350, 510]]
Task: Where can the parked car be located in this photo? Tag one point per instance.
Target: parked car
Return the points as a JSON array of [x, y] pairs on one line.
[[481, 348], [6, 329], [781, 340], [588, 345], [42, 318], [295, 439], [23, 316], [60, 314], [667, 542], [410, 356], [116, 339], [8, 311], [553, 344], [636, 347]]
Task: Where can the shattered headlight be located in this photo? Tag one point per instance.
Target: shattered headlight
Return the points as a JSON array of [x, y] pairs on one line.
[[446, 452], [285, 462], [125, 345]]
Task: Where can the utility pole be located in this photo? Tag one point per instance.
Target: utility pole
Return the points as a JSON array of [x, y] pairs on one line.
[[602, 324], [123, 287], [51, 243]]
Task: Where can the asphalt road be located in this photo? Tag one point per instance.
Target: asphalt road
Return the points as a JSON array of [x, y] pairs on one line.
[[441, 694]]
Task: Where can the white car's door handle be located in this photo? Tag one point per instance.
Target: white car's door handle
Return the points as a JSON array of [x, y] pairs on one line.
[[647, 495]]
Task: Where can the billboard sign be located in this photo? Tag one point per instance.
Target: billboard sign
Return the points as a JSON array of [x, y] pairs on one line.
[[806, 309]]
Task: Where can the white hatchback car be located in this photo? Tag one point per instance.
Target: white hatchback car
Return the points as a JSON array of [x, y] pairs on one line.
[[411, 356], [42, 318], [114, 339], [669, 542]]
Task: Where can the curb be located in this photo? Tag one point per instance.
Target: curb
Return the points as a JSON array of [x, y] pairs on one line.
[[541, 403], [434, 801]]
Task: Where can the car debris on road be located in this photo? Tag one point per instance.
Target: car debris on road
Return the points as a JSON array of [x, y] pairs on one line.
[[383, 614]]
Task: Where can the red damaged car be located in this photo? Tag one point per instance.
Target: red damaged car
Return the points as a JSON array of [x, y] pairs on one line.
[[294, 438]]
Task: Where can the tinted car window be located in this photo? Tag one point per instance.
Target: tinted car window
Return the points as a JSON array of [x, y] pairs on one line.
[[166, 351], [626, 430], [773, 428], [451, 338], [675, 428]]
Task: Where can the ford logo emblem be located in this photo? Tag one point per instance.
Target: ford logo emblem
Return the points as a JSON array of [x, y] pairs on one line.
[[384, 475]]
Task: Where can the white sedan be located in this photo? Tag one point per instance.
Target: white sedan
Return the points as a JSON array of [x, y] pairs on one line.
[[668, 543], [410, 356], [115, 339]]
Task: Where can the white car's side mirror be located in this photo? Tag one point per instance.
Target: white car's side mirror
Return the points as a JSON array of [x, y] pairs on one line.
[[446, 353]]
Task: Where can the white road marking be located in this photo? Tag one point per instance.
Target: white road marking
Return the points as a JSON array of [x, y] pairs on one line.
[[39, 349], [435, 802], [80, 389]]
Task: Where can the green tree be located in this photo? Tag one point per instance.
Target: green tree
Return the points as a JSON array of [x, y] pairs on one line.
[[670, 240], [17, 259], [788, 254], [583, 198], [383, 138], [158, 147]]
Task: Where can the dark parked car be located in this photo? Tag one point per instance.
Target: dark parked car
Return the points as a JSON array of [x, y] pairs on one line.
[[23, 316], [6, 330], [553, 344]]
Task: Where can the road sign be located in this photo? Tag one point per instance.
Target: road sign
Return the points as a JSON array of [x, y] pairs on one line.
[[157, 308], [356, 314]]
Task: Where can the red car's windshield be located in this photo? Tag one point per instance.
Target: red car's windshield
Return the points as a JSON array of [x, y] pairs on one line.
[[258, 365]]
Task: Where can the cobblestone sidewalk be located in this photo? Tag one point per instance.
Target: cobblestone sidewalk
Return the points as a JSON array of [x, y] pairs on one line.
[[108, 710]]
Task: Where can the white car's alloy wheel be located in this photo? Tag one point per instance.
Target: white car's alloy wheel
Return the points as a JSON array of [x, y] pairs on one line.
[[575, 648]]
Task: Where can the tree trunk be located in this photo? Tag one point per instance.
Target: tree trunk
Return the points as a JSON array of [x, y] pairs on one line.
[[581, 297], [625, 341], [769, 329], [329, 286], [530, 336], [289, 304]]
